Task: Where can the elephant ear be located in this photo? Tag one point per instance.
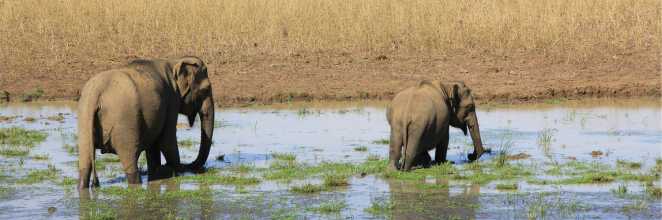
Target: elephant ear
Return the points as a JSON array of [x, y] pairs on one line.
[[455, 98], [184, 75]]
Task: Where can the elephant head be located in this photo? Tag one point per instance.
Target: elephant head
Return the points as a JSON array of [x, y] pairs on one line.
[[192, 79], [465, 115]]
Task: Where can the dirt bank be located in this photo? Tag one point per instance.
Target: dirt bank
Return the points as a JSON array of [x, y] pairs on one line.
[[240, 80]]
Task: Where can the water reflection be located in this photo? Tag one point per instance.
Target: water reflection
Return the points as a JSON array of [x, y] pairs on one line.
[[438, 202]]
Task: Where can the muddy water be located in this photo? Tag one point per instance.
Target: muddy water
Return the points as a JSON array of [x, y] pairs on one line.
[[330, 132]]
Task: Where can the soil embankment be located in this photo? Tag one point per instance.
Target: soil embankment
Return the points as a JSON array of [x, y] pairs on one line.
[[345, 77]]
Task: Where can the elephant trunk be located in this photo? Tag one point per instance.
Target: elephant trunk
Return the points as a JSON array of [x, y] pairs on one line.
[[475, 137], [206, 114]]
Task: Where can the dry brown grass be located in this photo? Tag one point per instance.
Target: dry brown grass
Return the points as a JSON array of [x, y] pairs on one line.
[[37, 35]]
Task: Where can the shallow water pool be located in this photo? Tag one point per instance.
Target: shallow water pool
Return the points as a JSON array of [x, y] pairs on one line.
[[346, 138]]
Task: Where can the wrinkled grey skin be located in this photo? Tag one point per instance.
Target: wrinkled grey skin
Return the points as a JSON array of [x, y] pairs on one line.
[[134, 107], [420, 117]]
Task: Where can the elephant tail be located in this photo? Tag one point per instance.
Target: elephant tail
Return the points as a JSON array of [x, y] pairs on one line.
[[88, 107], [406, 121]]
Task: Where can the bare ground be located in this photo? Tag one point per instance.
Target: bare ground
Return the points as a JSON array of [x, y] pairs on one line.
[[240, 80]]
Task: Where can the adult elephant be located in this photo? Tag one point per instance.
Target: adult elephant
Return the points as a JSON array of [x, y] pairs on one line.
[[134, 108], [420, 117]]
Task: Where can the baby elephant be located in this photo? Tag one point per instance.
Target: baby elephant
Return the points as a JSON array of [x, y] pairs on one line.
[[420, 117], [134, 107]]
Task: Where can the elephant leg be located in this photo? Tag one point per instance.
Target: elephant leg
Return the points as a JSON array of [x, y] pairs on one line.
[[168, 141], [413, 145], [422, 159], [95, 178], [153, 157], [407, 162], [442, 149], [395, 150], [130, 163]]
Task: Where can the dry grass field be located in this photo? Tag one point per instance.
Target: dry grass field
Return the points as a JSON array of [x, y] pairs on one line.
[[257, 47]]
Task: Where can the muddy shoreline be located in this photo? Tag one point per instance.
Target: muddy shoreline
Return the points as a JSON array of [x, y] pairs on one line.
[[240, 81]]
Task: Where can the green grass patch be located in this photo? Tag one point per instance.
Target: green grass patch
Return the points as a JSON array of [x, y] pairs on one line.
[[16, 135], [106, 214], [187, 142], [636, 205], [303, 111], [220, 157], [241, 167], [361, 148], [431, 186], [6, 191], [306, 188], [373, 157], [72, 149], [382, 141], [651, 175], [333, 205], [41, 157], [14, 152], [42, 175], [284, 155], [627, 163], [380, 206], [286, 165], [210, 179], [654, 190], [605, 177], [545, 135], [124, 191], [621, 190], [442, 169], [335, 179], [404, 175], [67, 181], [284, 174], [507, 186]]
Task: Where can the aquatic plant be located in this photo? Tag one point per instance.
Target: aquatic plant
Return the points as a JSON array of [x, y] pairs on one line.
[[306, 188], [333, 205], [14, 152], [284, 155], [507, 186], [16, 135], [380, 205], [361, 148], [382, 141], [335, 179], [621, 190], [545, 135]]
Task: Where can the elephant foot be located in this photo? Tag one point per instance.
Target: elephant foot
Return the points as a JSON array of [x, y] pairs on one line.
[[134, 178], [391, 167], [164, 172], [472, 157], [422, 159]]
